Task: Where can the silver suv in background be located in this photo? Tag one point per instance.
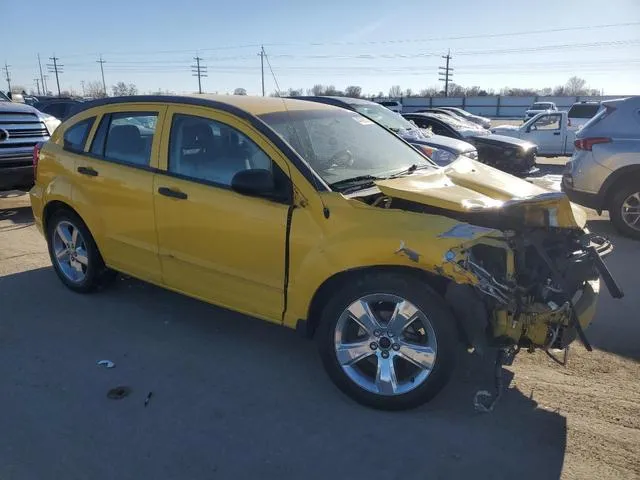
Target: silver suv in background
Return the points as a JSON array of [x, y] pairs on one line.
[[539, 107], [604, 172]]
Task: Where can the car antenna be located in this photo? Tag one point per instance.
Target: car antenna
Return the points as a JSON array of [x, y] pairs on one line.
[[325, 209]]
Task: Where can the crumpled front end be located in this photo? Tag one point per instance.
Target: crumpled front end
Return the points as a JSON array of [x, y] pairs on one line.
[[533, 289]]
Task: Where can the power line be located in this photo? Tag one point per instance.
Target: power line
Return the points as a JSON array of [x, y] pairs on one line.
[[104, 85], [198, 71], [55, 68], [44, 87], [262, 66], [445, 73], [8, 75]]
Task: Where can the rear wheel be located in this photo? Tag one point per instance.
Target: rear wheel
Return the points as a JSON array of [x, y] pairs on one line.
[[624, 210], [388, 341], [74, 254]]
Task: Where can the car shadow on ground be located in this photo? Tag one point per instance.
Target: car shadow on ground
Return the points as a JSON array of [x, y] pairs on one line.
[[231, 395], [618, 334]]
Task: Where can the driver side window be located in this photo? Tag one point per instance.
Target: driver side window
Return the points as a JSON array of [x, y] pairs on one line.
[[213, 152], [547, 122]]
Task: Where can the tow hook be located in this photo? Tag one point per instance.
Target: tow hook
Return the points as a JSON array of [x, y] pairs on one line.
[[482, 400]]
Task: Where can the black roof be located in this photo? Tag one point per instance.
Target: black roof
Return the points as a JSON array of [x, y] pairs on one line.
[[345, 102]]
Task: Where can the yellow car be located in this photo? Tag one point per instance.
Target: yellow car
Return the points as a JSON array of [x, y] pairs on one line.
[[316, 218]]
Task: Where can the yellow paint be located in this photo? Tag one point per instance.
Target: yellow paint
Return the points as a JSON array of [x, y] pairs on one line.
[[229, 249]]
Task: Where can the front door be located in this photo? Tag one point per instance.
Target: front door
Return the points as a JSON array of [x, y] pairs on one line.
[[216, 244], [115, 183], [546, 132]]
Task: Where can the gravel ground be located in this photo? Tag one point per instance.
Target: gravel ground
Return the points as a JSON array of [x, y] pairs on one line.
[[234, 397]]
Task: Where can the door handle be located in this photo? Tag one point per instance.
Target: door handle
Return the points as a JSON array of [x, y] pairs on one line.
[[87, 171], [556, 133], [168, 192]]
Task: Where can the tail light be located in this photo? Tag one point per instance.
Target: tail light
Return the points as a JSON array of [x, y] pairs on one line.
[[588, 143], [36, 159]]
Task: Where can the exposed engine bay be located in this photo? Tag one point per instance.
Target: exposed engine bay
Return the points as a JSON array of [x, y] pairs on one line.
[[529, 277]]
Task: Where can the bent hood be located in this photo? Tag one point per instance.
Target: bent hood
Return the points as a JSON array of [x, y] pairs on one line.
[[467, 186]]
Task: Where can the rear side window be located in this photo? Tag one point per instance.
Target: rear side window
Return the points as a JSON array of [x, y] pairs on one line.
[[583, 110], [76, 136], [126, 137]]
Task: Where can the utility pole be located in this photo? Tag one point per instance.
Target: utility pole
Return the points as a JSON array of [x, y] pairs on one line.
[[82, 85], [37, 80], [8, 75], [262, 54], [446, 73], [44, 81], [44, 88], [104, 85], [198, 71], [55, 68]]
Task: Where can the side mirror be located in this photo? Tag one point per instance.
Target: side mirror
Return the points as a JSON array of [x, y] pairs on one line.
[[255, 182]]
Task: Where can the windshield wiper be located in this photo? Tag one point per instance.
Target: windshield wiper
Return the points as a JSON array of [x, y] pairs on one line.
[[354, 182], [408, 170]]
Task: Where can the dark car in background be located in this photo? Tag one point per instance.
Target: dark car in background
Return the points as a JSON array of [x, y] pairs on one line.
[[61, 108], [505, 153], [446, 149]]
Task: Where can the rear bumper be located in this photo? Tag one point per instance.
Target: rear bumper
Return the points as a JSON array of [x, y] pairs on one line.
[[586, 199], [16, 177]]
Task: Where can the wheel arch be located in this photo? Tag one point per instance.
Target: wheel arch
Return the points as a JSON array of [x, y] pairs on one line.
[[323, 292], [625, 174]]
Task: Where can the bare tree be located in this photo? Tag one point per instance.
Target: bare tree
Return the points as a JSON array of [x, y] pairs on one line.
[[94, 89], [317, 89], [560, 90], [576, 86], [240, 91], [408, 92], [353, 91], [456, 90], [332, 90], [18, 88], [121, 89], [395, 92], [429, 92], [295, 92]]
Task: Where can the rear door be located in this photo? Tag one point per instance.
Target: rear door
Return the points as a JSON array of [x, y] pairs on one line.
[[114, 182], [547, 132], [215, 243]]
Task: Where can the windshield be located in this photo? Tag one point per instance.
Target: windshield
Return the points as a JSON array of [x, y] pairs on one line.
[[459, 111], [384, 116], [541, 106], [462, 126], [341, 145]]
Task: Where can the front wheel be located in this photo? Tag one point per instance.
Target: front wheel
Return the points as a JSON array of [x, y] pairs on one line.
[[388, 341]]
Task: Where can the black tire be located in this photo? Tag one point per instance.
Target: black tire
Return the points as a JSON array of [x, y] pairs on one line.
[[425, 299], [96, 273], [615, 208]]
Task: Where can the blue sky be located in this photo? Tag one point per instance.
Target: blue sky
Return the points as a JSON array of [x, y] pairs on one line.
[[373, 44]]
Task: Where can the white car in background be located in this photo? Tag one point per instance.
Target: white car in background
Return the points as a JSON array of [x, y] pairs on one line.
[[392, 105], [539, 107]]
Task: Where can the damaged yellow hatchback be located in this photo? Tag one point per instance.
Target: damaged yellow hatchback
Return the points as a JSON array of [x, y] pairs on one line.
[[317, 218]]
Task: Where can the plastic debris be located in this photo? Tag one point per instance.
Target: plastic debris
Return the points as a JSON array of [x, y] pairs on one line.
[[118, 393], [106, 363]]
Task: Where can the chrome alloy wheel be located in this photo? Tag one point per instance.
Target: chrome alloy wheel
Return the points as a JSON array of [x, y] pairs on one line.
[[630, 211], [385, 344], [70, 251]]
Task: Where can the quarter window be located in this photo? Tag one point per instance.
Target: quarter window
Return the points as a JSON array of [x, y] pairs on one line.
[[129, 137], [213, 152], [76, 135]]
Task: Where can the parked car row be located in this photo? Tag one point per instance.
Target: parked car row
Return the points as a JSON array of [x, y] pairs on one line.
[[316, 217]]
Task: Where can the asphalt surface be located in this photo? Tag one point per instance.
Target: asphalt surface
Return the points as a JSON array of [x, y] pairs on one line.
[[234, 397]]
